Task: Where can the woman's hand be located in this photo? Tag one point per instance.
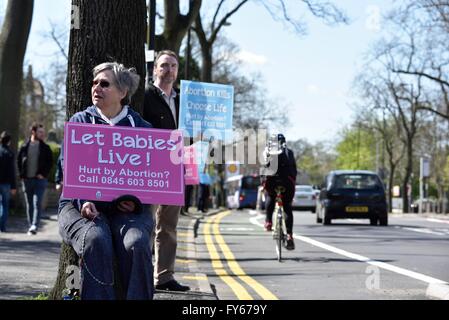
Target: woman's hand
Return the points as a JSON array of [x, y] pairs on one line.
[[89, 211], [126, 206]]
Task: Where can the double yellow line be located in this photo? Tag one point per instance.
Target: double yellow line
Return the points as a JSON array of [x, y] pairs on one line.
[[237, 271]]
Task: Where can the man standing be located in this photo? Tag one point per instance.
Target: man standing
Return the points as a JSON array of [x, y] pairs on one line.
[[34, 162], [7, 178], [161, 108]]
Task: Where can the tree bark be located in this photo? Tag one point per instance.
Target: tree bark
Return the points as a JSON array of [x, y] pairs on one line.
[[110, 30], [13, 42]]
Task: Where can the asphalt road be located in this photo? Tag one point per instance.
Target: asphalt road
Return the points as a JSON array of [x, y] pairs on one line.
[[349, 259]]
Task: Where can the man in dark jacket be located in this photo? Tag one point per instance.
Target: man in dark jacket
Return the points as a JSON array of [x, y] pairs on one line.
[[7, 178], [34, 161], [283, 175], [161, 109]]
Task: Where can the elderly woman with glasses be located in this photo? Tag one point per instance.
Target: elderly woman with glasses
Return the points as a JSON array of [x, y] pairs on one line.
[[101, 231]]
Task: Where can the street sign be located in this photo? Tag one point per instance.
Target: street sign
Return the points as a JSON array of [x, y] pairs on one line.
[[232, 168], [425, 167]]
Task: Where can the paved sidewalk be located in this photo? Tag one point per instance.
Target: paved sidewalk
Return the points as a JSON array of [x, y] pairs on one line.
[[427, 215], [29, 264]]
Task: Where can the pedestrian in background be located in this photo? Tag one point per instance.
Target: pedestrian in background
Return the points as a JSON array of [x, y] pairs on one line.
[[204, 192], [161, 108], [59, 174], [7, 178], [187, 199], [34, 161]]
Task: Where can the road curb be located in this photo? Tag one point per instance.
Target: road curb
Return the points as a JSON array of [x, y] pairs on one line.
[[201, 278], [438, 291]]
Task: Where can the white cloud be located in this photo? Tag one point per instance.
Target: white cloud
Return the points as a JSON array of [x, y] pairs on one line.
[[252, 58]]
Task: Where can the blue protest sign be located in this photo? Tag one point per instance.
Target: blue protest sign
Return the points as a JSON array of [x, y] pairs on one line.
[[201, 151], [206, 108]]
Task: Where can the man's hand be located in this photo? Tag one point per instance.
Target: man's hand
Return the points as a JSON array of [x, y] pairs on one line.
[[89, 211], [126, 206], [39, 176], [13, 192], [266, 155]]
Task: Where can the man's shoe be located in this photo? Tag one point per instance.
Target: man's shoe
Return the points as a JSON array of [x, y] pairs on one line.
[[32, 230], [268, 226], [290, 243], [172, 285]]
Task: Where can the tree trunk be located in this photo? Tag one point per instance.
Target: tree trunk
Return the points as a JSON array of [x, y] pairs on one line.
[[110, 30], [206, 69], [176, 24], [390, 186], [408, 173], [13, 42]]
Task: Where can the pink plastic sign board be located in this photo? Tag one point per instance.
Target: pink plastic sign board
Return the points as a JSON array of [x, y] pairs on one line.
[[104, 162], [190, 164]]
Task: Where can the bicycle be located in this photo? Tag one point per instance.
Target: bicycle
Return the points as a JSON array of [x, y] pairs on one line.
[[279, 226]]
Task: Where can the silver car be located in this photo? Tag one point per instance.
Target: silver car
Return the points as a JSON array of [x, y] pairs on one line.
[[305, 198]]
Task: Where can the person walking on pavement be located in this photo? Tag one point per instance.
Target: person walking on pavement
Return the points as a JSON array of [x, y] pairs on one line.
[[7, 178], [34, 161], [161, 108], [99, 230], [204, 192]]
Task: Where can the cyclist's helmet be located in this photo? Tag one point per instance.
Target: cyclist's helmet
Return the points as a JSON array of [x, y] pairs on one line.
[[281, 138]]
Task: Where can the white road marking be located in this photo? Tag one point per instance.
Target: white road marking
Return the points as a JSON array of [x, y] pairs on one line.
[[438, 220], [437, 231], [236, 229], [383, 265], [424, 230]]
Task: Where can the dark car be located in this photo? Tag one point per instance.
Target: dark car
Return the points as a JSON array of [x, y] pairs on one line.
[[355, 194]]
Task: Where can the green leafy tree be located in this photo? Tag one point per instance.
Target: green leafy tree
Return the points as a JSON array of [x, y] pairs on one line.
[[357, 150]]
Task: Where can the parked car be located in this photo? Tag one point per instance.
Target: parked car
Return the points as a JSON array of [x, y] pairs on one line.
[[355, 194], [305, 198]]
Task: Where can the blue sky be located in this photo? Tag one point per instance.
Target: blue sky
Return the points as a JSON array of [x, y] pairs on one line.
[[311, 75]]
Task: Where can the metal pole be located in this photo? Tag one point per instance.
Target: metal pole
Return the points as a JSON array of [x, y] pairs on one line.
[[421, 167], [187, 59], [151, 37]]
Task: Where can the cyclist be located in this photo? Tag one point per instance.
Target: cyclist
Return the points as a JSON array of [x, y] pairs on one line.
[[283, 172]]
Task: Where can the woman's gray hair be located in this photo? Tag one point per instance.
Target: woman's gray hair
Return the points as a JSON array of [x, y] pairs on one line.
[[125, 79]]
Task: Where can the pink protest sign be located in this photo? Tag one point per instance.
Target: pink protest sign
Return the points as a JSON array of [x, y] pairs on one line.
[[190, 164], [104, 162]]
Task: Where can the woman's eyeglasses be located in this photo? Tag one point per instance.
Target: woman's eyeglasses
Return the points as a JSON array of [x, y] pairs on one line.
[[103, 83]]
